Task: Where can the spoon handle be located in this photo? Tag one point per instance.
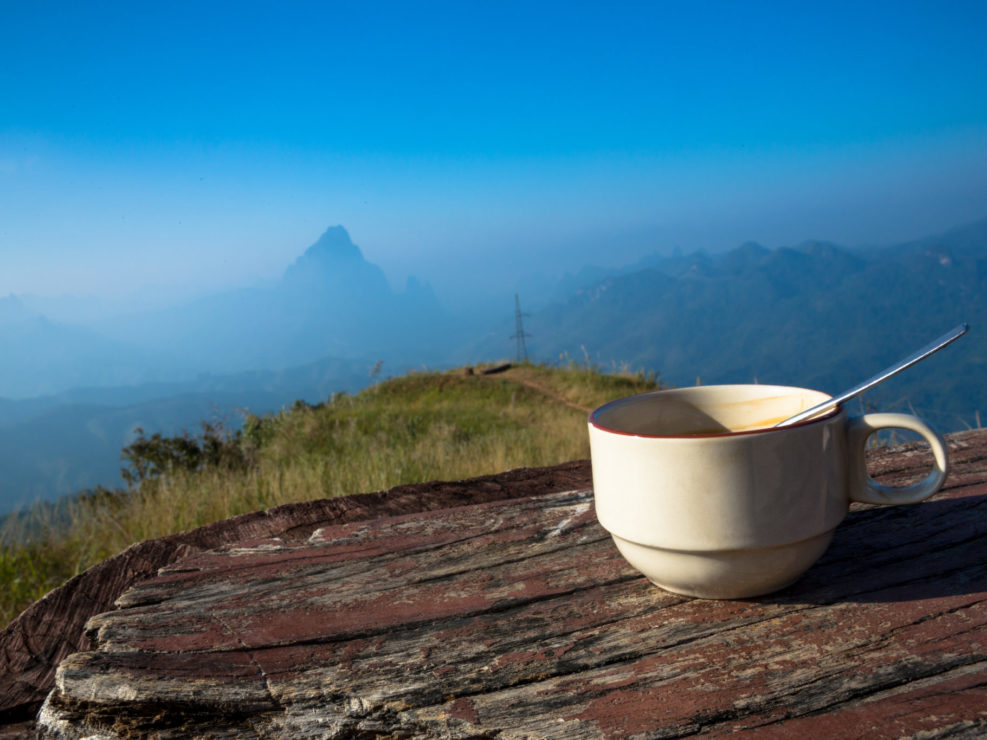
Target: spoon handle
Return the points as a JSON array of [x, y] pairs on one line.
[[934, 346]]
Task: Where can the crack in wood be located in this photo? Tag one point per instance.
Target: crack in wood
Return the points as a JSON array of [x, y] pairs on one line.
[[897, 680], [253, 660]]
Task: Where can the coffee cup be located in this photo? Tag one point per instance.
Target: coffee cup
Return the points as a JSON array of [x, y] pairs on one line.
[[706, 499]]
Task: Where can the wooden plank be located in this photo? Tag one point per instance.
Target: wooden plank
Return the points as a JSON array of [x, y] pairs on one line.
[[519, 619]]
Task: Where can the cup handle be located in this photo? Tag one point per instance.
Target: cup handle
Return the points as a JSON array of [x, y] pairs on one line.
[[865, 489]]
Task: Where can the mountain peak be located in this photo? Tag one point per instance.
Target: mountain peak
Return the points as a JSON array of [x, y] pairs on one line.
[[333, 252], [748, 255], [334, 243], [333, 270]]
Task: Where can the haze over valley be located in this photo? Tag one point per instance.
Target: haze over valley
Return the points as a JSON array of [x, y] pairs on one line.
[[213, 209], [815, 314]]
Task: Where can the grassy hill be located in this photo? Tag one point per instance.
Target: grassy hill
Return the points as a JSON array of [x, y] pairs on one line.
[[419, 427]]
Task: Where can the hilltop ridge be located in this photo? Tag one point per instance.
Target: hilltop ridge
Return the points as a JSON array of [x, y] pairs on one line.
[[416, 427]]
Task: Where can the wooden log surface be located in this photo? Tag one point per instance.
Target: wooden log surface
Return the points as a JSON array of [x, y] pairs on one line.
[[519, 619], [32, 646]]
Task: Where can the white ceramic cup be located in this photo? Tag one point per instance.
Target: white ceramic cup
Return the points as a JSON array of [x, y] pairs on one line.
[[705, 499]]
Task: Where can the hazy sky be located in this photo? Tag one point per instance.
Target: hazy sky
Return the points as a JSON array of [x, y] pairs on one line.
[[204, 144]]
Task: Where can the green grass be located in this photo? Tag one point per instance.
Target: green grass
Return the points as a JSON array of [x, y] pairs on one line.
[[419, 427]]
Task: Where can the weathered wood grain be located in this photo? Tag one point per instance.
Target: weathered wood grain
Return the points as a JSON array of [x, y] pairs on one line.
[[519, 619], [33, 644]]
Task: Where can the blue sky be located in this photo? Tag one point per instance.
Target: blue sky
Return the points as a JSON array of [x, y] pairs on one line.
[[196, 145]]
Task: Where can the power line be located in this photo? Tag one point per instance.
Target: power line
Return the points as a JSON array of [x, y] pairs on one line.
[[519, 333]]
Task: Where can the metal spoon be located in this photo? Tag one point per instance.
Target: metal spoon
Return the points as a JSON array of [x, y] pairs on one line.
[[934, 346]]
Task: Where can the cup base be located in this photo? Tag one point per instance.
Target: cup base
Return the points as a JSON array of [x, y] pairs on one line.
[[725, 574]]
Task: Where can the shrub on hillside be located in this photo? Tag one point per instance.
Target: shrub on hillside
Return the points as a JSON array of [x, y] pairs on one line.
[[152, 457]]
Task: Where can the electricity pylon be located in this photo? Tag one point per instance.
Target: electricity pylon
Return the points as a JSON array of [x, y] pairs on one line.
[[519, 333]]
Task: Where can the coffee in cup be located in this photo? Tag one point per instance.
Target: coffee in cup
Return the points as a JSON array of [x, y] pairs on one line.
[[705, 498]]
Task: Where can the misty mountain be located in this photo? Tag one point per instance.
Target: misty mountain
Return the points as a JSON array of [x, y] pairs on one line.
[[71, 396], [330, 301], [13, 311], [41, 356], [817, 315]]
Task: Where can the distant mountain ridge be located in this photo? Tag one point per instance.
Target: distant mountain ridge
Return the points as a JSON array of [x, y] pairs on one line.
[[817, 315], [42, 356], [330, 301], [319, 329], [13, 311], [66, 443]]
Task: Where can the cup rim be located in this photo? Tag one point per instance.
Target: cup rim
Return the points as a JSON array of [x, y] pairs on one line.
[[712, 435]]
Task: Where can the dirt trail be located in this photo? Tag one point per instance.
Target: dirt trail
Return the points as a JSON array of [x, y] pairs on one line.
[[545, 391]]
